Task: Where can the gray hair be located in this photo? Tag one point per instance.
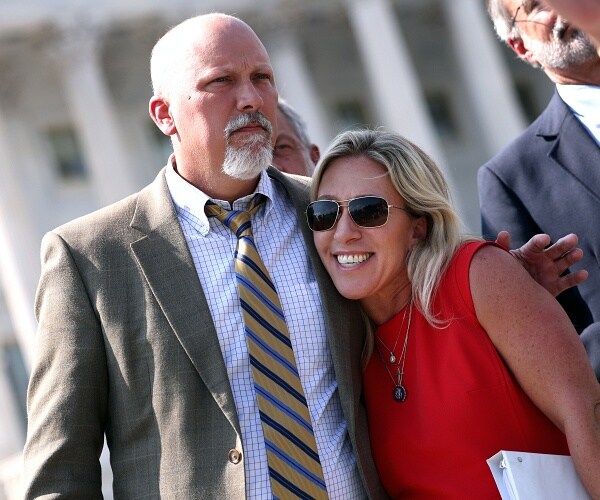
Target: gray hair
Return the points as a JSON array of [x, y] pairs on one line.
[[421, 184], [295, 120], [501, 18]]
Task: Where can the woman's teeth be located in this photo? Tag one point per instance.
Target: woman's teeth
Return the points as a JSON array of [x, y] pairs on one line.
[[347, 260]]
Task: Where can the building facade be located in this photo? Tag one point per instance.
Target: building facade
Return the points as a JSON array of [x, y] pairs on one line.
[[75, 133]]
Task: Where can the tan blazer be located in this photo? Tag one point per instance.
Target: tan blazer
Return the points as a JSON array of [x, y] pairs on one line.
[[126, 346]]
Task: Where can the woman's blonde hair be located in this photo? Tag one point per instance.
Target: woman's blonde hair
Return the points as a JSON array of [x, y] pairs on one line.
[[422, 186]]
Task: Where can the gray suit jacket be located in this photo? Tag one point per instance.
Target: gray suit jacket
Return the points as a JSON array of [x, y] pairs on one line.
[[126, 346], [548, 181]]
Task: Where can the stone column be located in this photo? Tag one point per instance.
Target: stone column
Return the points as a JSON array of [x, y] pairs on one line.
[[19, 269], [12, 438], [485, 75], [92, 111], [393, 81], [293, 78], [19, 239]]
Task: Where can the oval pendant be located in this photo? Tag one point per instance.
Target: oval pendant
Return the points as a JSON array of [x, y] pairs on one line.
[[399, 393], [392, 358]]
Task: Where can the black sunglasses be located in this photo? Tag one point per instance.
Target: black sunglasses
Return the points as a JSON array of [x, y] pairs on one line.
[[365, 211]]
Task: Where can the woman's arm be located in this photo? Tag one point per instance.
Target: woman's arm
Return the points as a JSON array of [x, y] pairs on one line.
[[534, 336]]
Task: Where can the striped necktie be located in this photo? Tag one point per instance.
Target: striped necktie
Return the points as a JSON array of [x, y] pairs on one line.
[[294, 466]]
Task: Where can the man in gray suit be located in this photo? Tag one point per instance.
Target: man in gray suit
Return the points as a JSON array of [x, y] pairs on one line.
[[548, 179], [141, 337]]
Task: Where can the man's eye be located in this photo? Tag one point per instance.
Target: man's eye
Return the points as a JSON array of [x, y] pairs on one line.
[[531, 6]]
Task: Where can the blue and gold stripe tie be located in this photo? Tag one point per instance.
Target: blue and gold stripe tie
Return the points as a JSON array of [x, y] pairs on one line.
[[294, 467]]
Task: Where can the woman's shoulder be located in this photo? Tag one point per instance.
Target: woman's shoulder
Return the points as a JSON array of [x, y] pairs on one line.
[[470, 249], [456, 282]]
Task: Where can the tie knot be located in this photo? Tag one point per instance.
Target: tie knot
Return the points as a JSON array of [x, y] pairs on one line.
[[238, 221]]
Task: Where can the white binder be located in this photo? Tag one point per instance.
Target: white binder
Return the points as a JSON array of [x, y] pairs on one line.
[[536, 476]]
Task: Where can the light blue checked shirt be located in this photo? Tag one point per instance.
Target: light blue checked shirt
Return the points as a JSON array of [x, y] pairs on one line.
[[279, 240]]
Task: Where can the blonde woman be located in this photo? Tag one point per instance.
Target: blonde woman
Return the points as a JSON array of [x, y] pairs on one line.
[[467, 354]]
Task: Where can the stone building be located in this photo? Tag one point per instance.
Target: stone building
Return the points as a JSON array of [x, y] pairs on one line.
[[75, 132]]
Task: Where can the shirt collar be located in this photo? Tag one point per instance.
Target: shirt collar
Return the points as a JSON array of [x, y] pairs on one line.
[[189, 200], [584, 100]]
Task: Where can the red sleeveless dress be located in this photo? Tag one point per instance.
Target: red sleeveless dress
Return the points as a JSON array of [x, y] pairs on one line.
[[462, 406]]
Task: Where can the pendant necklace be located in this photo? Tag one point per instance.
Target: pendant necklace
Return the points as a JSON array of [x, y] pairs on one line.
[[399, 393], [393, 349]]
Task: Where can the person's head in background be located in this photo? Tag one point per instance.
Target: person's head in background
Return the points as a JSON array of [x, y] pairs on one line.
[[293, 153], [542, 38]]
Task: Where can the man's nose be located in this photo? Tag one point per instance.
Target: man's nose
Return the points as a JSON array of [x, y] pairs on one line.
[[249, 98]]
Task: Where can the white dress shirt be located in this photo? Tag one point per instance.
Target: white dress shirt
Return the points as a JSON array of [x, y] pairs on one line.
[[281, 245], [584, 101]]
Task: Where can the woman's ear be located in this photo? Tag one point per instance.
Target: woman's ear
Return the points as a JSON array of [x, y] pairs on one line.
[[315, 154], [419, 229], [160, 113]]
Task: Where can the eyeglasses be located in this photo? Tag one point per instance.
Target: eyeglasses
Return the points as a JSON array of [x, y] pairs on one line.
[[529, 7], [365, 211]]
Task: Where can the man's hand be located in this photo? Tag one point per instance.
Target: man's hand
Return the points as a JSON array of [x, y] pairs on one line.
[[545, 265]]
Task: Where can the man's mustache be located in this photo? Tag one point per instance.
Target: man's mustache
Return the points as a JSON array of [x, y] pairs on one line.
[[559, 28], [244, 120]]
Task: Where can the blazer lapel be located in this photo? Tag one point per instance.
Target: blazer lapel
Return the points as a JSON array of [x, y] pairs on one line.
[[571, 146], [164, 258]]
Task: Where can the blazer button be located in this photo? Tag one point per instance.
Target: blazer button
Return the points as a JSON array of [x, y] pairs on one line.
[[235, 456]]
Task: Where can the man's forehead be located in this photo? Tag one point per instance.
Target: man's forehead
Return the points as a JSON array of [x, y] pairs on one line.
[[220, 63], [225, 50]]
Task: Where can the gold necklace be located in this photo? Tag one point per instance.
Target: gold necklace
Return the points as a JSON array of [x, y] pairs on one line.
[[399, 393], [393, 349]]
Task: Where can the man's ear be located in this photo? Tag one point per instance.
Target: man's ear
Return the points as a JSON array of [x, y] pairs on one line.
[[519, 48], [161, 115]]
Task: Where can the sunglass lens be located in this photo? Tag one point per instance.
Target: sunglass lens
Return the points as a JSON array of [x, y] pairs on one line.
[[322, 214], [369, 211]]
